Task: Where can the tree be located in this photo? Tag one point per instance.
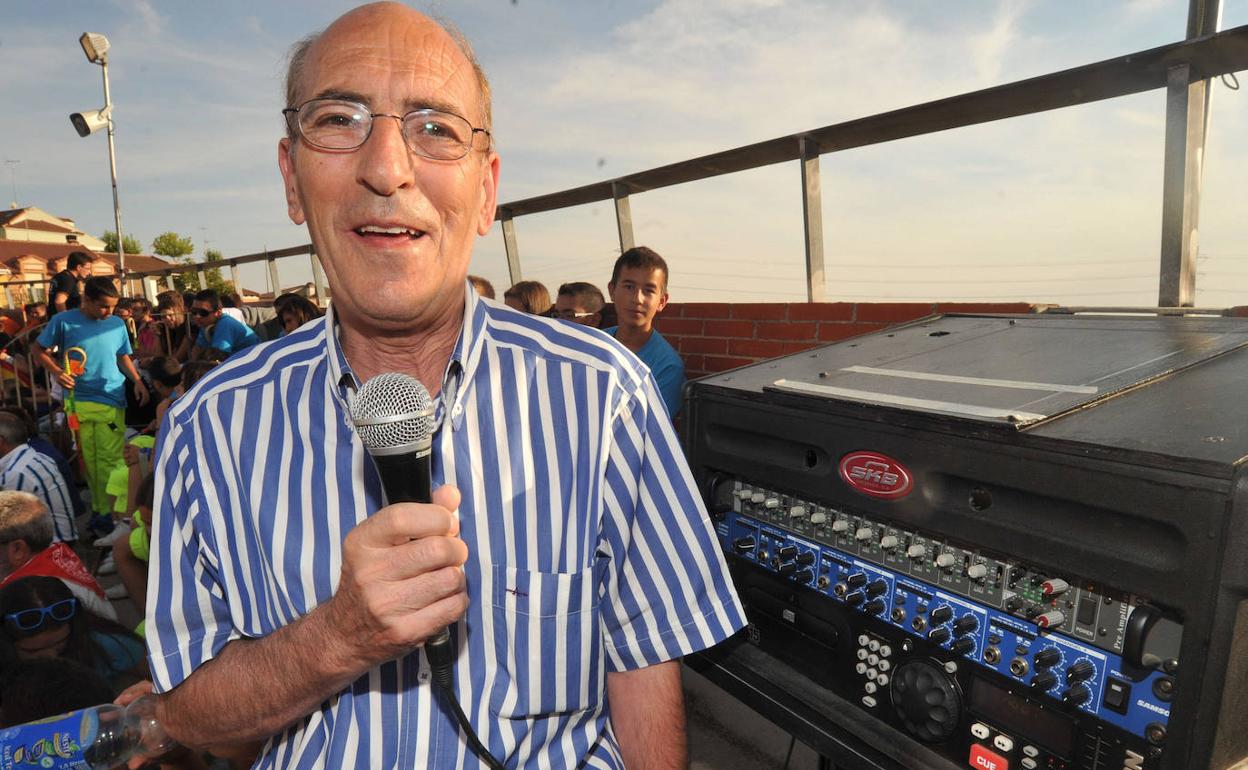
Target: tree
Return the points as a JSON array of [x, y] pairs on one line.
[[172, 245], [212, 276], [110, 243]]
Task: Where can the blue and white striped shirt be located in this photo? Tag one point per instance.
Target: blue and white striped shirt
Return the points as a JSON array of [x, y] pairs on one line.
[[589, 547], [26, 469]]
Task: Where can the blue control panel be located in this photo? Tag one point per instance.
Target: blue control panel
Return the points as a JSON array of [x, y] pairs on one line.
[[1048, 662]]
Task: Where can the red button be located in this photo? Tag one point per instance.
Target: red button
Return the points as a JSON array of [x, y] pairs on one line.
[[984, 759]]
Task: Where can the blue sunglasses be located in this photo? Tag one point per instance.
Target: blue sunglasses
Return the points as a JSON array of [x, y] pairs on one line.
[[33, 619]]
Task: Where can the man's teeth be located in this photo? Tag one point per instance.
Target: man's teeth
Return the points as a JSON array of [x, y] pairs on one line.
[[373, 229]]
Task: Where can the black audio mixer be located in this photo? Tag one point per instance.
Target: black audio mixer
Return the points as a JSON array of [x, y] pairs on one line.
[[1011, 539]]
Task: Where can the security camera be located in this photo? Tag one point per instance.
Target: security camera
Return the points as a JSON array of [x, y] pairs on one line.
[[87, 123]]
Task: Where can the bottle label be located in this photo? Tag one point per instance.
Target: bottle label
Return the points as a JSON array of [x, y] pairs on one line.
[[49, 744]]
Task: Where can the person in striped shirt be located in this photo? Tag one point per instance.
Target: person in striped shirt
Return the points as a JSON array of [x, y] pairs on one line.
[[566, 547], [25, 469]]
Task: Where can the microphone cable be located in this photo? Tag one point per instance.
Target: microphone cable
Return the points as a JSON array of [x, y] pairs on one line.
[[441, 661]]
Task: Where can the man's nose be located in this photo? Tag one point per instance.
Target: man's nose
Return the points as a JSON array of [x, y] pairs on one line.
[[385, 163]]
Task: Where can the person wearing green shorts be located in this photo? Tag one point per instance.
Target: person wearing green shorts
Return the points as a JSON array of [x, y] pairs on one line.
[[93, 349]]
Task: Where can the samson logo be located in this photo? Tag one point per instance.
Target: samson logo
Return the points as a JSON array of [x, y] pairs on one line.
[[876, 475], [1133, 761], [1153, 708]]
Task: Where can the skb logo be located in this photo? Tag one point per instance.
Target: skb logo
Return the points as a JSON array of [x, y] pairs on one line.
[[877, 475]]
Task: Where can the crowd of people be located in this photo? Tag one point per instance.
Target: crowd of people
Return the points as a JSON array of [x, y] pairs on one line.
[[638, 291], [71, 513]]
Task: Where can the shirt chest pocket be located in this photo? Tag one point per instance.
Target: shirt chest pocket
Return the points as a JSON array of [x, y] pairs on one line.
[[547, 643]]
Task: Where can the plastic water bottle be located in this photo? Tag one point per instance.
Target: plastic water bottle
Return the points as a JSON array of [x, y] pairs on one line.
[[98, 738]]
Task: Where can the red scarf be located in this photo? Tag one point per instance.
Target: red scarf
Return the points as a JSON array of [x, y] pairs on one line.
[[59, 561]]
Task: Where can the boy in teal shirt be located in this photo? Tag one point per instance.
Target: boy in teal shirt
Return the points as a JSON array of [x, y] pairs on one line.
[[93, 349]]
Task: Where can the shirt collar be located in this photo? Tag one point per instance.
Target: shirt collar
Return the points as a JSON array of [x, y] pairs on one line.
[[459, 370]]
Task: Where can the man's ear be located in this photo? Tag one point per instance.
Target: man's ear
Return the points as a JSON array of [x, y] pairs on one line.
[[662, 303], [489, 194], [286, 162]]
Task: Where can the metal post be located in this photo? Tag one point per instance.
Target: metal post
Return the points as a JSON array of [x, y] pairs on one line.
[[169, 282], [513, 253], [112, 168], [234, 279], [277, 286], [1187, 120], [318, 279], [203, 284], [623, 216], [812, 220]]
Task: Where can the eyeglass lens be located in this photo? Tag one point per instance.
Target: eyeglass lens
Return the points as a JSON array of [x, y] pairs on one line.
[[340, 125], [29, 620]]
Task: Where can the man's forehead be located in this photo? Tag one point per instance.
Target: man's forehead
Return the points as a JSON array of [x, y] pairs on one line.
[[642, 275], [410, 63]]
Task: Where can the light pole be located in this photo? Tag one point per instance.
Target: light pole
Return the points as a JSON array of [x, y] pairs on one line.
[[95, 46]]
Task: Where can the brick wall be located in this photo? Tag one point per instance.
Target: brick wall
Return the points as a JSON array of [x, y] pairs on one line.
[[714, 336]]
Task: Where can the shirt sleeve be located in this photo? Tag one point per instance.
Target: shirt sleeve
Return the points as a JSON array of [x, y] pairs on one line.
[[123, 347], [188, 613], [670, 378], [50, 337], [224, 335], [666, 592]]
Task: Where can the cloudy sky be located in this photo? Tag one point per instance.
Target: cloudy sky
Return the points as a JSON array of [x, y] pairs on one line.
[[1062, 207]]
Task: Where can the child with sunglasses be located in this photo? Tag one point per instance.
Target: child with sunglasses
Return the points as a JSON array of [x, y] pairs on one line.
[[42, 619]]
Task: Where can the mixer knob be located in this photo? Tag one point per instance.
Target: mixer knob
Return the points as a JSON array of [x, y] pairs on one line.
[[916, 551], [744, 544], [946, 561], [806, 557], [854, 598], [965, 625], [1015, 603], [1080, 671], [941, 614], [787, 552], [1055, 587], [1049, 656], [797, 512], [964, 645], [1044, 681], [744, 493], [772, 502], [840, 526], [977, 571], [889, 542], [856, 580], [788, 568], [1077, 695], [805, 576], [757, 497], [938, 635], [818, 517], [1050, 619], [863, 533], [876, 587], [874, 607]]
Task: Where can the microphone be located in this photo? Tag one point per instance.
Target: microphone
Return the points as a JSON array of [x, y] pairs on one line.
[[393, 416]]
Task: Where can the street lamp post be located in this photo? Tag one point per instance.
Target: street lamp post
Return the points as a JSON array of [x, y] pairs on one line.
[[96, 46]]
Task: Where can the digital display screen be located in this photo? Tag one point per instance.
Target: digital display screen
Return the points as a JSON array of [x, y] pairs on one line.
[[1028, 721]]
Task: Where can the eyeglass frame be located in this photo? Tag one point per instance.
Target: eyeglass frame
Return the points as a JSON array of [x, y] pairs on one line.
[[44, 613], [572, 315], [200, 312], [291, 114]]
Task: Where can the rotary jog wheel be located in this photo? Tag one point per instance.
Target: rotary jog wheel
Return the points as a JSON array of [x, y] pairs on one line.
[[927, 700]]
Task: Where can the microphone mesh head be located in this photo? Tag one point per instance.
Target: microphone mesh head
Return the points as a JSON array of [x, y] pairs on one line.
[[392, 412]]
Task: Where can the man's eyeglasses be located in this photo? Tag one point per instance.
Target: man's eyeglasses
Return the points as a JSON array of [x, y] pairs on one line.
[[338, 124], [199, 312], [33, 619]]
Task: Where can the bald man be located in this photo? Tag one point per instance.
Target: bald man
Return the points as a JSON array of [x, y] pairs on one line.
[[566, 546]]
